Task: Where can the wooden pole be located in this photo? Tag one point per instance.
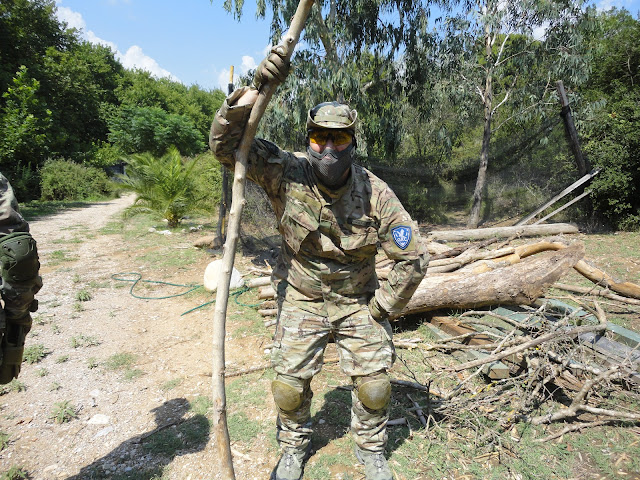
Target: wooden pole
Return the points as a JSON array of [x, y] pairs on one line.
[[582, 162], [220, 429], [221, 232]]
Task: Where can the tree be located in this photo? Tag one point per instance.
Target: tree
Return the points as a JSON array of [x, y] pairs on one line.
[[164, 186], [491, 52], [24, 121], [151, 129], [612, 129]]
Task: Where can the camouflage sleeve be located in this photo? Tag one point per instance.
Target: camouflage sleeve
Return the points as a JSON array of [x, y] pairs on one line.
[[10, 218], [400, 240], [266, 160]]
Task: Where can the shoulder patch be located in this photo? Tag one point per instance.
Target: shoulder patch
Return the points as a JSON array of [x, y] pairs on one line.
[[401, 236]]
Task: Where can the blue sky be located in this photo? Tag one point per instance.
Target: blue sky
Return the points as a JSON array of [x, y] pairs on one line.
[[191, 41]]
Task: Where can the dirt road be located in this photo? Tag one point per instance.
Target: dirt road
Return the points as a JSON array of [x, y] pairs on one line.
[[126, 367]]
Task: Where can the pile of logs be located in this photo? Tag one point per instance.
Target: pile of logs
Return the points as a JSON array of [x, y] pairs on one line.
[[475, 275]]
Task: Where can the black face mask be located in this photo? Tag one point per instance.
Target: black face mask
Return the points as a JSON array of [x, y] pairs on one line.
[[330, 165]]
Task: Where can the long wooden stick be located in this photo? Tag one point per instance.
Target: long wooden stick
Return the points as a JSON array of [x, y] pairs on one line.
[[220, 429]]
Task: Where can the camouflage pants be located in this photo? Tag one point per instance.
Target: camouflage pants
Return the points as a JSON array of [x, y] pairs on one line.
[[364, 347]]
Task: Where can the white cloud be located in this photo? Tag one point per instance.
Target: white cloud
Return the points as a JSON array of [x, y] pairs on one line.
[[93, 38], [134, 56], [72, 19]]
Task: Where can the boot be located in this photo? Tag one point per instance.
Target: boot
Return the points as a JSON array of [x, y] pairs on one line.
[[291, 464], [375, 465]]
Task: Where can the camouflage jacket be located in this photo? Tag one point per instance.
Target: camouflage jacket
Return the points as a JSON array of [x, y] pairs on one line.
[[10, 219], [330, 239]]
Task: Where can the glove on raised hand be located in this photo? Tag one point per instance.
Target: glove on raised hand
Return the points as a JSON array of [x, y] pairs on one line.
[[273, 69]]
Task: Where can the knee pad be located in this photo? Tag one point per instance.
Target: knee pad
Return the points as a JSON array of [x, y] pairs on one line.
[[374, 391], [288, 392], [19, 257]]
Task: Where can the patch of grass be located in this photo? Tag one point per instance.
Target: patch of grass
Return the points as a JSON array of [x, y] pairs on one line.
[[63, 412], [247, 391], [83, 295], [200, 405], [39, 320], [14, 473], [4, 440], [42, 372], [243, 429], [62, 359], [170, 384], [58, 256], [55, 328], [78, 307], [123, 362], [131, 374], [119, 361], [84, 341], [34, 353], [55, 386]]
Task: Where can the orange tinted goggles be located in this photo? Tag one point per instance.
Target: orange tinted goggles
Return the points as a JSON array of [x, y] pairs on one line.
[[321, 137]]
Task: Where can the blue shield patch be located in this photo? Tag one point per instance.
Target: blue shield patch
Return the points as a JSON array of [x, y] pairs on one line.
[[401, 236]]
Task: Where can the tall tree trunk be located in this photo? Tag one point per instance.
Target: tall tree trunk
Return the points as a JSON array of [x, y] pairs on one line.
[[487, 98]]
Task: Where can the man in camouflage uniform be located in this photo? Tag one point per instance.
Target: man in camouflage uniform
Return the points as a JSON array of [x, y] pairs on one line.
[[332, 215], [20, 282]]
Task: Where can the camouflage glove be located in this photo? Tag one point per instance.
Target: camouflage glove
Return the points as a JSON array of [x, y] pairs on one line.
[[376, 311], [273, 69]]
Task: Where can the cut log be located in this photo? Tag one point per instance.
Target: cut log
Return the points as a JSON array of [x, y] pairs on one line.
[[503, 232], [518, 284]]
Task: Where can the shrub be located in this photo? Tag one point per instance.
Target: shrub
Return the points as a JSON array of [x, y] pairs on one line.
[[66, 180]]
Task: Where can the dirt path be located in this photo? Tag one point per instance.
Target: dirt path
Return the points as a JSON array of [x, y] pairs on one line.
[[115, 416]]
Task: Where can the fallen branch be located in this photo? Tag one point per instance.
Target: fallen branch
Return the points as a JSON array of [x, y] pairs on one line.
[[601, 292], [549, 337], [573, 428]]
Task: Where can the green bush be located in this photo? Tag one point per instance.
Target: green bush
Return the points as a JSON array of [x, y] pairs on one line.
[[66, 180]]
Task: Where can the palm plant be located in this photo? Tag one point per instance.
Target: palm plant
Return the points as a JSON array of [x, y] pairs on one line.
[[164, 186]]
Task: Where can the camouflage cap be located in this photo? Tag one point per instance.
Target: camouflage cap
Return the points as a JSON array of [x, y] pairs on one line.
[[332, 115]]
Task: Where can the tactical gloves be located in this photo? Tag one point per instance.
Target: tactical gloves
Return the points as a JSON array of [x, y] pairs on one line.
[[376, 311], [273, 69]]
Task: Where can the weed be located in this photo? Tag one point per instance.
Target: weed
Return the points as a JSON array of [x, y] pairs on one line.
[[92, 362], [170, 384], [62, 359], [14, 473], [55, 386], [84, 341], [34, 353], [4, 440], [42, 372], [78, 307], [14, 385], [38, 320], [83, 295], [63, 412], [55, 328], [76, 278]]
